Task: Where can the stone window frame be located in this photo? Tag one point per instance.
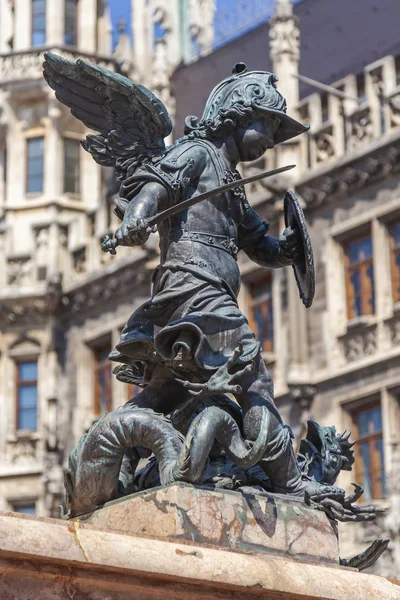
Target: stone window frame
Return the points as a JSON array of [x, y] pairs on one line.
[[353, 400], [336, 285], [24, 349], [23, 383], [367, 295], [376, 220]]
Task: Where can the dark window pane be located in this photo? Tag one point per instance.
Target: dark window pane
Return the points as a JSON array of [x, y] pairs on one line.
[[258, 321], [360, 250], [27, 371], [27, 418], [71, 19], [35, 165], [396, 276], [102, 375], [371, 299], [370, 469], [28, 509], [363, 420], [35, 147], [396, 234], [27, 397], [355, 281], [35, 186], [38, 22], [261, 312], [366, 468], [102, 354], [376, 419], [369, 420], [381, 478], [71, 166]]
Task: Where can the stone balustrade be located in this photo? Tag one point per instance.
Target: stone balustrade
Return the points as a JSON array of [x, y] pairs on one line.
[[27, 65], [368, 110]]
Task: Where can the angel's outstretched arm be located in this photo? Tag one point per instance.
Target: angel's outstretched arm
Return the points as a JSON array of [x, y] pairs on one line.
[[134, 230], [266, 250]]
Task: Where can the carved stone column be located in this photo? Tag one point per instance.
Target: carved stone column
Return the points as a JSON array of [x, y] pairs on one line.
[[285, 55], [23, 25], [201, 24], [284, 50], [7, 23], [55, 22], [3, 175], [53, 157], [87, 25], [140, 29], [123, 51]]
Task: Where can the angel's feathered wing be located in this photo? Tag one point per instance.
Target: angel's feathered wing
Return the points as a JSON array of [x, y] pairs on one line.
[[131, 121]]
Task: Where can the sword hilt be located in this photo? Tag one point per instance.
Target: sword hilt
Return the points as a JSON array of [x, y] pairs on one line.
[[109, 245]]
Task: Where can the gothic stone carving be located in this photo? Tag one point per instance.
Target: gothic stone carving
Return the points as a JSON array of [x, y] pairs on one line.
[[360, 344], [284, 38], [352, 176]]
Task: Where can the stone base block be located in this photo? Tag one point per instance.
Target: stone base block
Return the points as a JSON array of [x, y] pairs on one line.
[[255, 523], [48, 559]]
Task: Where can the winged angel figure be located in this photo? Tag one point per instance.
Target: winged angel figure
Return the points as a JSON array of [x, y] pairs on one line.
[[190, 344]]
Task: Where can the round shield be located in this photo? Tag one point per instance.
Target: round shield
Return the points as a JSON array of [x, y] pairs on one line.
[[304, 272]]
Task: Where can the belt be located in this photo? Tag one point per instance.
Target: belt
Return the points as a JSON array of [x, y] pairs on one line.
[[214, 240]]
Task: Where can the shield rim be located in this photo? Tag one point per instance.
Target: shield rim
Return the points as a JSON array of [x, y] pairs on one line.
[[306, 291]]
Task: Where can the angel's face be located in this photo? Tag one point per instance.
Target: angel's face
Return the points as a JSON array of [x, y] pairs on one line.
[[254, 140]]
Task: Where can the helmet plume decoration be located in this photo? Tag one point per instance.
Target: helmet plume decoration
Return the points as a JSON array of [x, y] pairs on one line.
[[239, 100]]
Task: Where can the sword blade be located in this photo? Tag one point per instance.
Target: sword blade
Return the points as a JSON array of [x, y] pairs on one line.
[[109, 245], [177, 208]]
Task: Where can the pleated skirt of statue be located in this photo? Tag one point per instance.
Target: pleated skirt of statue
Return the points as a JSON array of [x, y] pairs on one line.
[[190, 310]]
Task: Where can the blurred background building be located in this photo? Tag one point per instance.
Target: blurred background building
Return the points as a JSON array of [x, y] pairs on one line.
[[63, 302]]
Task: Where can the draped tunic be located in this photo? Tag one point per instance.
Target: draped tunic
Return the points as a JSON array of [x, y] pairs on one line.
[[195, 287]]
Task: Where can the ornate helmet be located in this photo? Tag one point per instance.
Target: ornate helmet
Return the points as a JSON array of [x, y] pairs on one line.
[[242, 93]]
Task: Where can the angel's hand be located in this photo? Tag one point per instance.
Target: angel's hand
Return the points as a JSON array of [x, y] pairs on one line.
[[290, 247], [133, 232]]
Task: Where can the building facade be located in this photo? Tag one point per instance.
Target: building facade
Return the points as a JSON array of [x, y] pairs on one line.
[[63, 302]]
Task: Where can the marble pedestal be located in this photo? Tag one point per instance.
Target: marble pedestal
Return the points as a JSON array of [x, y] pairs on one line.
[[246, 521], [218, 549]]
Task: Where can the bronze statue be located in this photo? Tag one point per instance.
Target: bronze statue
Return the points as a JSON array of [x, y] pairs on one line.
[[190, 344]]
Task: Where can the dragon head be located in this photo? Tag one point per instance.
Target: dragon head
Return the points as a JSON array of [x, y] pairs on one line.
[[324, 453]]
